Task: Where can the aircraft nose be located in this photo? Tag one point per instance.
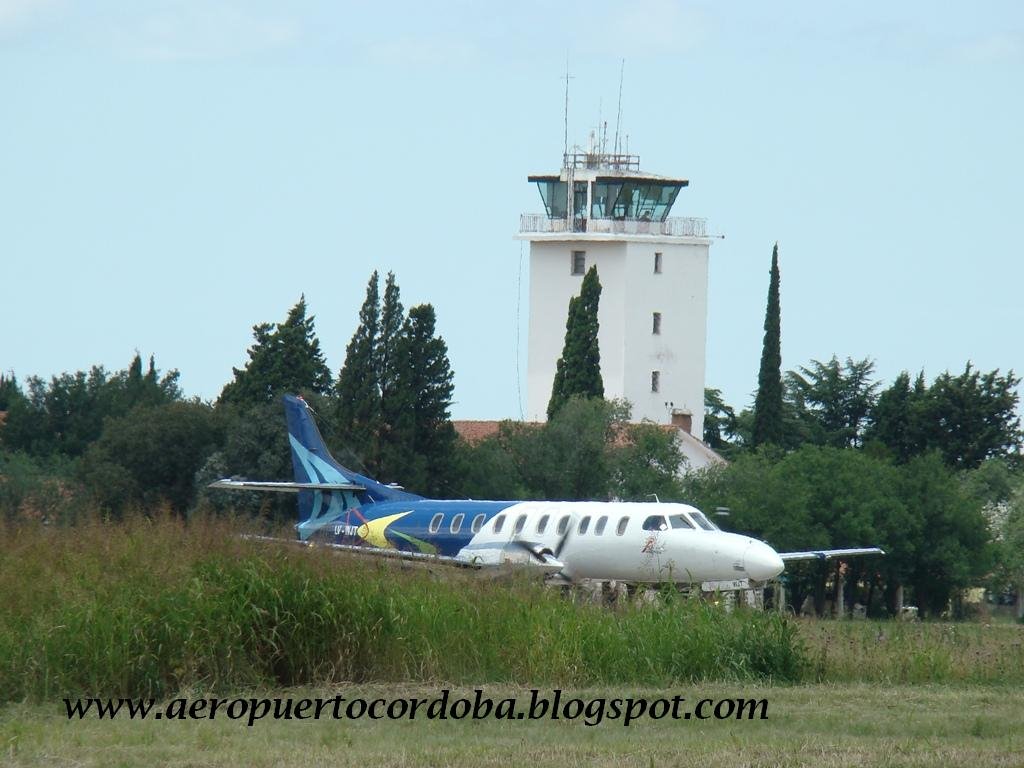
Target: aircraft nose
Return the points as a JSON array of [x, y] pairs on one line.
[[761, 562]]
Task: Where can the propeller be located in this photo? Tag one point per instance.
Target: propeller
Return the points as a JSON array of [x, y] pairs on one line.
[[542, 553], [565, 537]]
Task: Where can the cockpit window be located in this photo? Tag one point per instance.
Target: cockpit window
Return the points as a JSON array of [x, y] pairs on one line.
[[680, 521], [655, 523], [703, 522]]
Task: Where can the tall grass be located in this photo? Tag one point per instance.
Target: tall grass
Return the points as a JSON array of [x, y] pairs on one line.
[[151, 607]]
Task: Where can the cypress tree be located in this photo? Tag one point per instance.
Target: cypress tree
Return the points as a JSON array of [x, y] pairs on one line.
[[358, 387], [578, 371], [768, 422], [391, 328], [395, 449]]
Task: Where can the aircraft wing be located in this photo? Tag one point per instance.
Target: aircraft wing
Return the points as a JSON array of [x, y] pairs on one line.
[[393, 553], [826, 554], [260, 485], [484, 558]]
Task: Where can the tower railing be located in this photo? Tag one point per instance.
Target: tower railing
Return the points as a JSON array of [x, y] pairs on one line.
[[674, 226]]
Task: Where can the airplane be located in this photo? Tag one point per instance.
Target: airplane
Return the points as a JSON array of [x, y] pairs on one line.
[[636, 543]]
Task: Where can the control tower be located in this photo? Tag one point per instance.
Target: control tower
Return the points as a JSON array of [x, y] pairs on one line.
[[602, 210]]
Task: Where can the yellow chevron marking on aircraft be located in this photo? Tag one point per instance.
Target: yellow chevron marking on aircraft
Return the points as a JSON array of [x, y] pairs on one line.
[[372, 531]]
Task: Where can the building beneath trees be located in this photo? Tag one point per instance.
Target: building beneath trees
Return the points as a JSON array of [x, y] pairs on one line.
[[601, 209]]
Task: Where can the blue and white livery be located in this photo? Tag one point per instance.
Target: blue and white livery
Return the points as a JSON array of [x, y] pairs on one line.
[[635, 543]]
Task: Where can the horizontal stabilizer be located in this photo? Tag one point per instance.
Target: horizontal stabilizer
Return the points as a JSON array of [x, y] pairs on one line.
[[259, 485], [825, 554]]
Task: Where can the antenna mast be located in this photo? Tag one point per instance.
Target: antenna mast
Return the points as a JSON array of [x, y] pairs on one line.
[[565, 139], [618, 119]]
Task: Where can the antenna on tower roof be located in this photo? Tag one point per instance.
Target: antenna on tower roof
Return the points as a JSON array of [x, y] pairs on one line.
[[618, 119], [565, 140]]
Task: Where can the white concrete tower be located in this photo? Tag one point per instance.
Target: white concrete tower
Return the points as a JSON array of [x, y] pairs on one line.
[[600, 209]]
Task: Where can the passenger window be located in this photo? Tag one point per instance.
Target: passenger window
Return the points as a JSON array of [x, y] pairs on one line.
[[623, 522], [563, 526], [584, 524], [655, 523], [519, 525], [456, 523], [435, 522], [499, 521], [478, 523], [601, 522], [680, 521], [542, 524]]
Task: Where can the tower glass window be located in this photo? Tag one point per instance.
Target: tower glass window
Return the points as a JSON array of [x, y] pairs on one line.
[[656, 326], [655, 381], [579, 262], [657, 263], [553, 193]]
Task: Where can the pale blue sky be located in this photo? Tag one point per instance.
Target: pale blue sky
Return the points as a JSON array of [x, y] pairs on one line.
[[173, 172]]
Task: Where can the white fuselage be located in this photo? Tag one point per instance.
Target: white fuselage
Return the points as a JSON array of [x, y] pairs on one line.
[[621, 541]]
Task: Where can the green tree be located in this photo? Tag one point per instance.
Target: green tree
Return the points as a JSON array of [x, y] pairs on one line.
[[932, 530], [486, 470], [151, 455], [255, 446], [568, 457], [578, 371], [768, 421], [833, 400], [395, 451], [973, 416], [421, 439], [952, 550], [9, 391], [720, 421], [967, 418], [358, 389], [66, 414], [285, 358], [895, 418], [646, 462], [1007, 523]]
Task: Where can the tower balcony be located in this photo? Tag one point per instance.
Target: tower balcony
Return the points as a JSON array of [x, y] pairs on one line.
[[674, 226]]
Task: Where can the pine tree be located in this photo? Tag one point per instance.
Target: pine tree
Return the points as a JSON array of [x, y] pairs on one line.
[[285, 357], [358, 387], [768, 421], [578, 371]]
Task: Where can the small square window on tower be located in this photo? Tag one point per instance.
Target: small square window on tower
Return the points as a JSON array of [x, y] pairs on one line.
[[579, 262], [657, 263], [656, 330], [655, 381]]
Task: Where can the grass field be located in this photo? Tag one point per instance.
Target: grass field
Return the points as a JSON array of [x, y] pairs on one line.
[[813, 725], [153, 607]]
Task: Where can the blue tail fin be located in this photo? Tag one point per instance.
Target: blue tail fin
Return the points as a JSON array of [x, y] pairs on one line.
[[313, 463]]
